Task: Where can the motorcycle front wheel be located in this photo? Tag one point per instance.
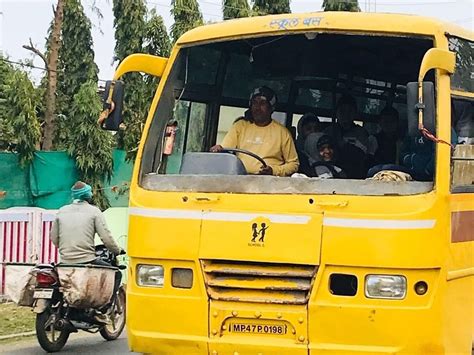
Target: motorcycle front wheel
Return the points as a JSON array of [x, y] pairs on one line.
[[50, 338], [112, 331]]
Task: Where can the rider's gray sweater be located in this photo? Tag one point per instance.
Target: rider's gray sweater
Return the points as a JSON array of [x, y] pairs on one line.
[[74, 230]]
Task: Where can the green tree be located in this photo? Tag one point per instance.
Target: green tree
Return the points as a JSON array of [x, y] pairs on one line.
[[7, 136], [76, 65], [129, 24], [187, 15], [341, 5], [51, 63], [235, 9], [91, 147], [156, 40], [464, 74], [6, 132], [20, 129], [267, 7]]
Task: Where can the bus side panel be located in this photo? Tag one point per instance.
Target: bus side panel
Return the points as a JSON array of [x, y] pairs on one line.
[[459, 306], [459, 315]]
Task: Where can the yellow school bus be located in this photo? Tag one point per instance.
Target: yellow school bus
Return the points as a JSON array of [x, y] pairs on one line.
[[224, 262]]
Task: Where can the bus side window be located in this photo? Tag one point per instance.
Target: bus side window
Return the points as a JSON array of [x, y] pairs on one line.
[[227, 117], [462, 116], [190, 118], [462, 169]]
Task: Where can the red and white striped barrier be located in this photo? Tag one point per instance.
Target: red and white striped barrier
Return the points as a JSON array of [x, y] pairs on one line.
[[24, 238], [49, 253]]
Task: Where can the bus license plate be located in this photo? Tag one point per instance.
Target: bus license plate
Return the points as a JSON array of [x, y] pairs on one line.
[[47, 293], [257, 328]]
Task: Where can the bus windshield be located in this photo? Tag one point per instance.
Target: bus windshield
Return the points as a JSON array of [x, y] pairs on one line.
[[312, 75]]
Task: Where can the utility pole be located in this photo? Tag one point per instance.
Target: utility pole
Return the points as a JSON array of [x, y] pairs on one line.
[[370, 6]]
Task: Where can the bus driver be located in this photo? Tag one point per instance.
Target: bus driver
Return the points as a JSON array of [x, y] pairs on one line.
[[260, 134]]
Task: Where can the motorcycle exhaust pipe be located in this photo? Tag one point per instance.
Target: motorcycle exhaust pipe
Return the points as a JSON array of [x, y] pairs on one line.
[[60, 324], [65, 324]]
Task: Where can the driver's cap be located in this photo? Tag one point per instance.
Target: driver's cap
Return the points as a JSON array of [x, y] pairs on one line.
[[267, 93]]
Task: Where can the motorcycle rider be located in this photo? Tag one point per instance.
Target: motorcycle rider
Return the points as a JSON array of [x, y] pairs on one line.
[[74, 229]]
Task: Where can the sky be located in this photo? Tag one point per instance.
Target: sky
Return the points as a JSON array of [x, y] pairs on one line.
[[21, 20]]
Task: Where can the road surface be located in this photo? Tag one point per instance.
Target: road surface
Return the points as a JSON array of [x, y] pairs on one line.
[[80, 343]]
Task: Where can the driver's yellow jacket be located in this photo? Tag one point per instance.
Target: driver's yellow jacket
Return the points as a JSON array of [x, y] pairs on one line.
[[272, 142]]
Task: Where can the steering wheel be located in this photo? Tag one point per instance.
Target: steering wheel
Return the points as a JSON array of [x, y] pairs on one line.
[[242, 151]]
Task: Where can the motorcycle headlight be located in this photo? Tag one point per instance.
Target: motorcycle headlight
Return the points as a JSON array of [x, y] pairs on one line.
[[150, 275], [386, 286]]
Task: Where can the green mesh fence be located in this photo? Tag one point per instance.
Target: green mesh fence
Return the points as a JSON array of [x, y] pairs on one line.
[[51, 176], [122, 174], [14, 182], [47, 181]]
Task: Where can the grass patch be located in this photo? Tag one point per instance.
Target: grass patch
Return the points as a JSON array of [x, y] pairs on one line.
[[15, 319], [16, 340]]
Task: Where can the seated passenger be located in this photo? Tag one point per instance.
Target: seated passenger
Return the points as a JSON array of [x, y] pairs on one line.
[[345, 130], [371, 150], [462, 119], [327, 167], [309, 123], [387, 138], [352, 140], [417, 158], [258, 133], [308, 135]]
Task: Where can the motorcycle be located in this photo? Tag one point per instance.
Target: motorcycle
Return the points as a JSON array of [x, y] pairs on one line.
[[59, 312]]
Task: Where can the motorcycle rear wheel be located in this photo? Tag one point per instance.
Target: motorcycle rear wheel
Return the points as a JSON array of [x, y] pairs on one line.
[[113, 331], [51, 339]]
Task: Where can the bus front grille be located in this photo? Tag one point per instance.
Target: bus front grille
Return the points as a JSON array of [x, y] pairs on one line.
[[258, 282]]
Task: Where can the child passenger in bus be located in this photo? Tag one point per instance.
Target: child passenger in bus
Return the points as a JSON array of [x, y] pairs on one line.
[[308, 123], [345, 130], [388, 140], [309, 131], [328, 167], [352, 140]]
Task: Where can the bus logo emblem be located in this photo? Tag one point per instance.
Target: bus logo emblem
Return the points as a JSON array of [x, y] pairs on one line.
[[258, 234]]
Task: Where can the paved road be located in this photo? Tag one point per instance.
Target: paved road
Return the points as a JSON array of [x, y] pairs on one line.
[[80, 343]]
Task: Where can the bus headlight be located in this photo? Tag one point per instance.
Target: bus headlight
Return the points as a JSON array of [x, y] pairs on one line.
[[385, 286], [150, 275]]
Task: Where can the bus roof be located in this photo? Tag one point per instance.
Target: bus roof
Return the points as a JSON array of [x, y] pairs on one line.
[[338, 21]]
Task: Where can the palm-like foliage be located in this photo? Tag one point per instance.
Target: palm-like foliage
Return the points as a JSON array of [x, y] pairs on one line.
[[341, 5], [156, 42], [235, 9], [187, 15], [156, 39], [6, 132], [76, 66], [90, 146], [129, 23], [264, 7], [19, 125]]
